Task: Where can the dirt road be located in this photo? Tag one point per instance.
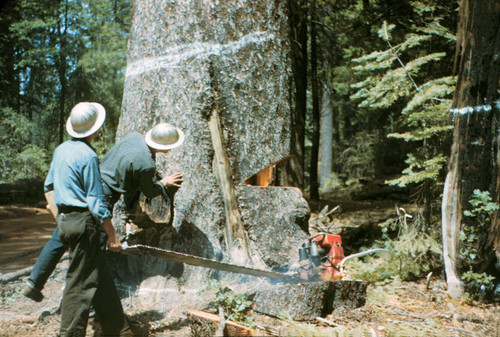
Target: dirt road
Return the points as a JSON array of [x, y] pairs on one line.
[[22, 237]]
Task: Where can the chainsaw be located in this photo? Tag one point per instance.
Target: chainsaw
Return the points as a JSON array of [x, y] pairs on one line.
[[321, 257]]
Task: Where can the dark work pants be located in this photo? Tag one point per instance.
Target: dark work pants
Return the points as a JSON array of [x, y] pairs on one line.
[[87, 280], [55, 248]]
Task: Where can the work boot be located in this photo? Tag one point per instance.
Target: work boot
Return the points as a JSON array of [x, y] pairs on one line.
[[30, 292]]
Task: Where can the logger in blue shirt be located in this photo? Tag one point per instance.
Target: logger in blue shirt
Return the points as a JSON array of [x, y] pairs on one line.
[[129, 167], [75, 178]]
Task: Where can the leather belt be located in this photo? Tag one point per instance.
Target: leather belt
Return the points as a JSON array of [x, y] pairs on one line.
[[71, 209]]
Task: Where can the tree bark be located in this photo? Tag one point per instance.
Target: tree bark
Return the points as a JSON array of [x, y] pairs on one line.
[[62, 73], [308, 300], [313, 164], [235, 236], [326, 139], [220, 71], [473, 162], [293, 172]]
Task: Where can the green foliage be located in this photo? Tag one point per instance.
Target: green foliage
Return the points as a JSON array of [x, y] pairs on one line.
[[470, 234], [53, 55], [419, 171], [355, 163], [386, 80], [19, 159], [33, 162], [385, 83], [478, 286], [359, 158], [105, 141], [427, 120], [414, 251], [418, 109], [103, 64], [483, 207], [480, 278], [237, 306], [391, 79], [410, 80], [333, 183]]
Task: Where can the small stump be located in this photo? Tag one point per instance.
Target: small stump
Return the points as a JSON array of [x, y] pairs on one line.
[[306, 301]]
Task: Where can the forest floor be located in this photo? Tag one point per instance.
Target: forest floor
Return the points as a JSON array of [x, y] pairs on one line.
[[392, 309]]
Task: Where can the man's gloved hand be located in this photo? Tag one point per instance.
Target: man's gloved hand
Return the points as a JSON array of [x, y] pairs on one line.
[[172, 180]]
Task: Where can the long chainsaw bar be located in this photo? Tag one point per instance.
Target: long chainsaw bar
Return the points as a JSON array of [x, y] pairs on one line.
[[204, 262]]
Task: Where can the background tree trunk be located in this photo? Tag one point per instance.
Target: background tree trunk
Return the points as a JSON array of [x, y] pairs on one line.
[[293, 170], [474, 157], [326, 138], [221, 71], [62, 70], [315, 86]]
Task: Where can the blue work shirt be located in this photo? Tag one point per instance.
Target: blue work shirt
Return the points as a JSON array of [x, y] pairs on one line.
[[75, 178]]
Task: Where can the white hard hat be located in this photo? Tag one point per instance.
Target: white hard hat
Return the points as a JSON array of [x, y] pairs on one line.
[[85, 119], [164, 136]]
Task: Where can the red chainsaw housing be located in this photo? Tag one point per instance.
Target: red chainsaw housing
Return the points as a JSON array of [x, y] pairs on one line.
[[331, 245]]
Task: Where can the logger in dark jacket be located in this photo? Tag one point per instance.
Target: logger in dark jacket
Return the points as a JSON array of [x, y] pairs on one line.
[[129, 167]]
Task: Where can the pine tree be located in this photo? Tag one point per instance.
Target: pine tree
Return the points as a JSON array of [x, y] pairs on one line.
[[411, 78]]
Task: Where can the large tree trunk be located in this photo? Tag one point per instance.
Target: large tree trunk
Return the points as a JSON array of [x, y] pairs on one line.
[[474, 157], [221, 71]]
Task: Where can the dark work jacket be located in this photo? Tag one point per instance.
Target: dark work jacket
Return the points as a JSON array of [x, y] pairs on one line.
[[130, 166]]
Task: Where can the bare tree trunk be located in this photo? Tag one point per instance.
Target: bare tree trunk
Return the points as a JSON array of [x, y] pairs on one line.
[[474, 157], [293, 172], [326, 138], [313, 164], [62, 70], [235, 236], [451, 216]]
